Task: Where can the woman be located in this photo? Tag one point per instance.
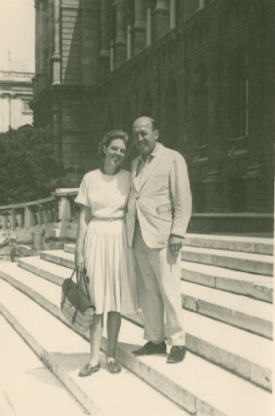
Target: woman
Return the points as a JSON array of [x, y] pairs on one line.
[[101, 247]]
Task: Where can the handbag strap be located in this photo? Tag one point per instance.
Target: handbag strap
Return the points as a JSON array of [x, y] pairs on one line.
[[78, 283], [85, 283], [65, 293]]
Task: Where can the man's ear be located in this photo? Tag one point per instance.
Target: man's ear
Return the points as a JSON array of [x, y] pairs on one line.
[[156, 134], [104, 149]]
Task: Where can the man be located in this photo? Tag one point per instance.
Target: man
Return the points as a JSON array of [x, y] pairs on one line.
[[159, 211]]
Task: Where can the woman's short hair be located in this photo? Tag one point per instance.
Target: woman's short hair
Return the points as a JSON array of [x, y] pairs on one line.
[[109, 137]]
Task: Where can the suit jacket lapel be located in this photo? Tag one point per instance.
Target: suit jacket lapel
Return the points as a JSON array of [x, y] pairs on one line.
[[151, 166], [134, 173]]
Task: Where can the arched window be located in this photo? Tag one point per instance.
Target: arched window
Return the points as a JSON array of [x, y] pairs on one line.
[[171, 115], [153, 21], [130, 20], [113, 34], [238, 94]]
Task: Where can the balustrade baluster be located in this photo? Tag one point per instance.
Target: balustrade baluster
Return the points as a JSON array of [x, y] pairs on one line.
[[50, 211], [30, 218], [7, 220], [13, 219], [44, 214], [40, 216], [2, 220], [19, 213], [36, 214]]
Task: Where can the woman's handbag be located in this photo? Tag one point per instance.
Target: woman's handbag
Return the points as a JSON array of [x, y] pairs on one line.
[[76, 306]]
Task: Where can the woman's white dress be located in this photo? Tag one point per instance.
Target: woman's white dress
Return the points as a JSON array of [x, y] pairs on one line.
[[108, 259]]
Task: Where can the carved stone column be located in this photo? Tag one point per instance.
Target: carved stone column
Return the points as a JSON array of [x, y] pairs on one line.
[[201, 4], [162, 17], [50, 41], [56, 58], [172, 14], [112, 56], [129, 25], [139, 28], [42, 57], [120, 38], [129, 41], [35, 79], [104, 55], [148, 24]]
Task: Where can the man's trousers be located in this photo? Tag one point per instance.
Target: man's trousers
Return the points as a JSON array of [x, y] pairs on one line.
[[158, 277]]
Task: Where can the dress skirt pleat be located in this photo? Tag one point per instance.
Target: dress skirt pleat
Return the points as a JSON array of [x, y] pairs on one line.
[[110, 267]]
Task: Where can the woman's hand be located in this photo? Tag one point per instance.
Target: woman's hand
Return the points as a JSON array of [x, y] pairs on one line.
[[81, 233], [79, 262]]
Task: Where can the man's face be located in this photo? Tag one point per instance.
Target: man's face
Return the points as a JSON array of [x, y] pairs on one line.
[[144, 137]]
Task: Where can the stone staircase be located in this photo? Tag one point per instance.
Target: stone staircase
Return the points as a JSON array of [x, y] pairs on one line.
[[227, 291]]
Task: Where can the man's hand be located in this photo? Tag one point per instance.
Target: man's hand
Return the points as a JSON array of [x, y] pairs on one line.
[[176, 243]]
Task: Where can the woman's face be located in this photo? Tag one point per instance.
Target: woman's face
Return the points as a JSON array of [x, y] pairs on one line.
[[115, 153]]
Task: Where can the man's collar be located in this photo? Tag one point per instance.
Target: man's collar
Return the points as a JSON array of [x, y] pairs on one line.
[[153, 154]]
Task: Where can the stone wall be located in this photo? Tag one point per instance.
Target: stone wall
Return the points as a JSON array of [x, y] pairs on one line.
[[207, 82]]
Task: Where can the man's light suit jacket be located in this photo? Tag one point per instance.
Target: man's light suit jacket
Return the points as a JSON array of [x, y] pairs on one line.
[[161, 199]]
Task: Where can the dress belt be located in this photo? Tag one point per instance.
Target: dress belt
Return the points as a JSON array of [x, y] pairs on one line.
[[107, 219]]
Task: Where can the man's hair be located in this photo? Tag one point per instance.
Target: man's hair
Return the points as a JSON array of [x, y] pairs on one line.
[[109, 137], [153, 122]]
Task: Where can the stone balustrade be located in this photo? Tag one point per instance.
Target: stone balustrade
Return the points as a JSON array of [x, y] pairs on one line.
[[28, 214], [59, 215], [57, 212]]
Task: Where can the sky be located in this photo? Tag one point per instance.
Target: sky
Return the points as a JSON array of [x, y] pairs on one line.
[[17, 30]]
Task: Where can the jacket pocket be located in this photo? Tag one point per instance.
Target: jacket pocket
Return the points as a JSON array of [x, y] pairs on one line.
[[164, 209]]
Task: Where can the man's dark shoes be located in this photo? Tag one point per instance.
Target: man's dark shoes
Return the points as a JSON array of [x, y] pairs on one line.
[[88, 369], [151, 348], [176, 355]]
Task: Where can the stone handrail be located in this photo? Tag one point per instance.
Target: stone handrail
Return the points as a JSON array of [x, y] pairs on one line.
[[28, 214], [55, 209]]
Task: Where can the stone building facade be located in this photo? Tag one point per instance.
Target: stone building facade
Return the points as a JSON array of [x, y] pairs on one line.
[[202, 68], [16, 91]]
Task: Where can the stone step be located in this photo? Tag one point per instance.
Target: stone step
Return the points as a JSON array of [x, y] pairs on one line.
[[249, 284], [237, 310], [59, 257], [53, 272], [222, 242], [219, 343], [65, 352], [246, 262], [23, 372], [232, 243], [69, 248], [204, 388], [243, 283]]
